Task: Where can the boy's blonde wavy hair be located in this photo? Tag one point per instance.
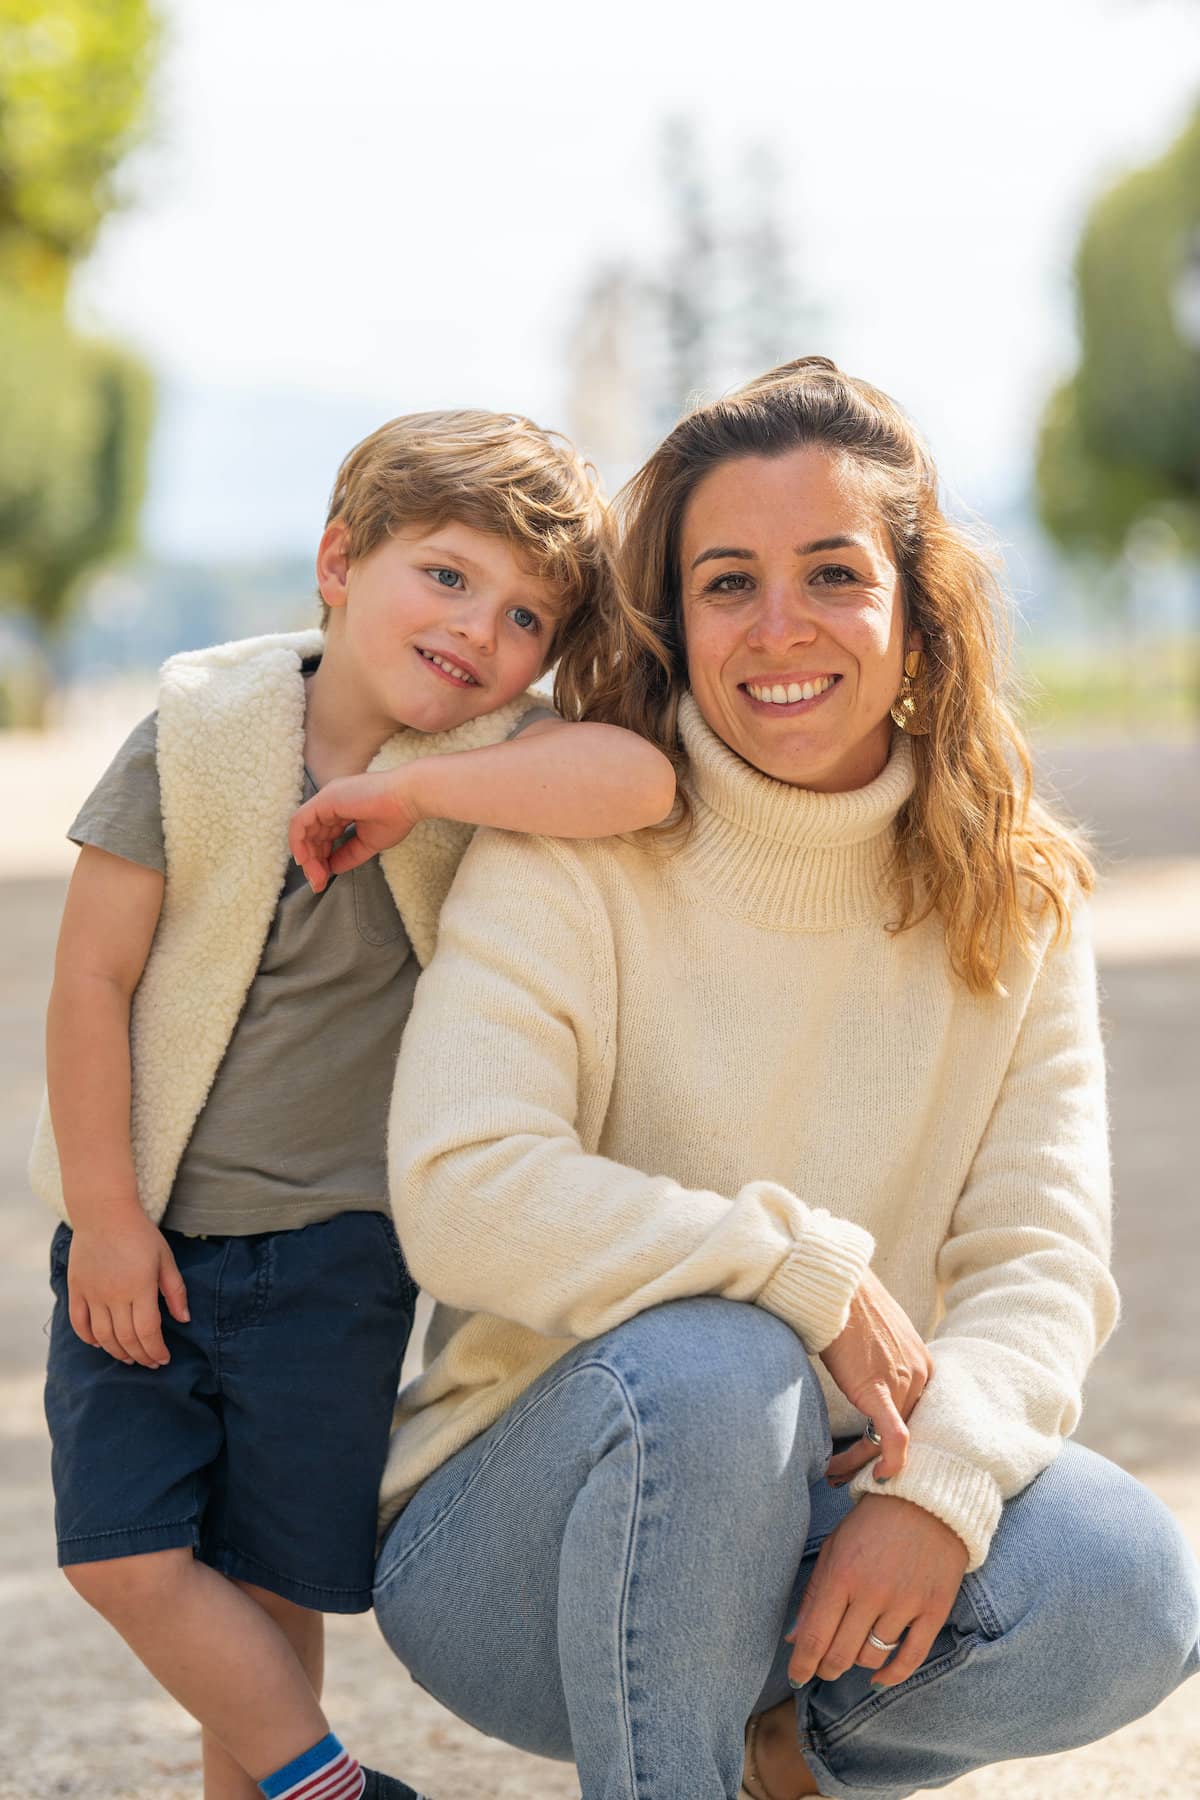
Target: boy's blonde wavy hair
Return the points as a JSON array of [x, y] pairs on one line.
[[497, 472], [973, 844]]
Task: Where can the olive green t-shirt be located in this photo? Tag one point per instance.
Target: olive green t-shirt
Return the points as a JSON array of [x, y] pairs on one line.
[[293, 1130]]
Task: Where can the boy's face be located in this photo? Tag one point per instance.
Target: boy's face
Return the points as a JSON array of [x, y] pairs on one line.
[[436, 626]]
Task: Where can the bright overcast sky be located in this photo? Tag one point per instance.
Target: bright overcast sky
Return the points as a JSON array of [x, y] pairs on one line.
[[399, 204]]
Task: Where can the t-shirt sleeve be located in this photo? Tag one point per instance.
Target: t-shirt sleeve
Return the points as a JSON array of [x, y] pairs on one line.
[[123, 812], [531, 718]]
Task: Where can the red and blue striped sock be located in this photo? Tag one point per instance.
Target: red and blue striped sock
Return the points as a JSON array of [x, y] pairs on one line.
[[326, 1772]]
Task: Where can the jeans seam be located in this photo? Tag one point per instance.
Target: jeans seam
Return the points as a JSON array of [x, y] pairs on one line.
[[526, 1412], [981, 1600], [485, 1461]]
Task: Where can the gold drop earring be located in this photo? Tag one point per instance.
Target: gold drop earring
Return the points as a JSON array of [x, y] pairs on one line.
[[907, 708]]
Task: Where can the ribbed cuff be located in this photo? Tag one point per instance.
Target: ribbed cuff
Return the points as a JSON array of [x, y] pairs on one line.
[[962, 1496], [813, 1287]]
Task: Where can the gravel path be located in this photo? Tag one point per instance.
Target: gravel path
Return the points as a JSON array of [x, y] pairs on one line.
[[81, 1718]]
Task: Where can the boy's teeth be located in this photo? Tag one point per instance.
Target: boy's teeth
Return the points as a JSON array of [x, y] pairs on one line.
[[458, 674], [777, 694]]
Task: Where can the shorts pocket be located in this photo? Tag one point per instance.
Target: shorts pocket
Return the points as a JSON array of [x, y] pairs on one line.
[[385, 1226], [60, 1254]]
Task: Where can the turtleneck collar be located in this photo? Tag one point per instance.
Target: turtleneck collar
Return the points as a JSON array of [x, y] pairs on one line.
[[785, 856]]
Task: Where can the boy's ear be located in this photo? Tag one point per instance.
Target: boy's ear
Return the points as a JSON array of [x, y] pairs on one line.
[[333, 564]]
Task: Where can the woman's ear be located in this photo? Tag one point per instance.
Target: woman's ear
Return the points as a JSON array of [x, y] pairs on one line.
[[333, 564]]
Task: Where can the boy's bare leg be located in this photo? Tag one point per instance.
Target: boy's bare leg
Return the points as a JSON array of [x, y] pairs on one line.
[[224, 1778], [222, 1656]]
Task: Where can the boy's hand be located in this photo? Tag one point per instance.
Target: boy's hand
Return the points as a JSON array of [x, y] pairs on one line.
[[114, 1278], [381, 808]]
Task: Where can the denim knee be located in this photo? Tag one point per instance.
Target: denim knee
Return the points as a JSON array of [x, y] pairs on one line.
[[727, 1377], [1113, 1587]]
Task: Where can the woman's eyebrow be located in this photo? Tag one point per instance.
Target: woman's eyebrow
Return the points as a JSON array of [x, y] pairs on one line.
[[840, 542], [718, 551], [832, 543]]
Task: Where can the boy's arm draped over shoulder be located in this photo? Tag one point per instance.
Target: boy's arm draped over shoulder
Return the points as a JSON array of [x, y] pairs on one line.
[[503, 1083], [551, 779], [1028, 1296]]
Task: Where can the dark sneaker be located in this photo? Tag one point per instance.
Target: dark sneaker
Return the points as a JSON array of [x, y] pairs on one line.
[[386, 1787]]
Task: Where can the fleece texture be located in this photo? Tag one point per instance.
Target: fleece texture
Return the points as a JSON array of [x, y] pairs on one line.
[[231, 768]]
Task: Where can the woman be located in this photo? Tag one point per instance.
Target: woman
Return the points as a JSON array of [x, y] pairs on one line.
[[815, 1075]]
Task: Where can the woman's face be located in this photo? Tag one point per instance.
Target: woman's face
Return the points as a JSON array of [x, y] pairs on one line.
[[793, 618]]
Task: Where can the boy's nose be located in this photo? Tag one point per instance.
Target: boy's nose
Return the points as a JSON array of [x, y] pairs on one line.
[[476, 626]]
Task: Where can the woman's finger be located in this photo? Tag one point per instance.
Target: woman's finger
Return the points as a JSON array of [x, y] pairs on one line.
[[848, 1640], [893, 1433], [817, 1621], [889, 1628], [849, 1461], [918, 1642]]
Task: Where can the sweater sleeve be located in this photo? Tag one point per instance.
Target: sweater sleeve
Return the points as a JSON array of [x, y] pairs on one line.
[[1028, 1298], [502, 1087]]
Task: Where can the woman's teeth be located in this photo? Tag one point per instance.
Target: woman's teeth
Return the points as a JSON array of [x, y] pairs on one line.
[[458, 674], [780, 695]]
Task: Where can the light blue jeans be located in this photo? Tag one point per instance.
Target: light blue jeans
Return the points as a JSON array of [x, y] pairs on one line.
[[606, 1576]]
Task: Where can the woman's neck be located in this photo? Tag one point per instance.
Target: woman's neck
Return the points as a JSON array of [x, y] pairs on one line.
[[784, 855]]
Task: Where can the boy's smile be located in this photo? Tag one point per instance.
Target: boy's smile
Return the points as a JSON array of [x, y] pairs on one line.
[[433, 627]]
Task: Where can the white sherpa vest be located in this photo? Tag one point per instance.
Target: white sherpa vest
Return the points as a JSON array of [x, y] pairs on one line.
[[231, 770]]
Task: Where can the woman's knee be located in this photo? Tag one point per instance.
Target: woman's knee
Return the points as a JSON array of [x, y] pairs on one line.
[[727, 1376], [1109, 1586]]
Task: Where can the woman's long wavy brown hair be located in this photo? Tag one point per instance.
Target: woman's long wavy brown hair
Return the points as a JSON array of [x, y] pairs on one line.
[[973, 843]]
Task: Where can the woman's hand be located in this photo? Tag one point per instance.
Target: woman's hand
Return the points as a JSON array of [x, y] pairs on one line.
[[890, 1568], [880, 1363], [381, 807]]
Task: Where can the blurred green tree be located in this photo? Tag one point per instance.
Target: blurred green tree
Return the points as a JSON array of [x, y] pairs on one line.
[[75, 413], [1121, 439], [73, 79]]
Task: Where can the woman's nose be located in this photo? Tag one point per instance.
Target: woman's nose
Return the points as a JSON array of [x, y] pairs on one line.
[[782, 618]]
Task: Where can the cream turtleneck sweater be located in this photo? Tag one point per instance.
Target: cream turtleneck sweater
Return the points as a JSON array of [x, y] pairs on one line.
[[632, 1076]]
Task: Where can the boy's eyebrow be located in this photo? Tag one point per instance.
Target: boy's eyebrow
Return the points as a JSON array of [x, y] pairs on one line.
[[431, 544]]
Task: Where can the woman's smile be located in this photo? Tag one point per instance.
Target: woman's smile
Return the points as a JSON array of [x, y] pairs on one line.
[[787, 694]]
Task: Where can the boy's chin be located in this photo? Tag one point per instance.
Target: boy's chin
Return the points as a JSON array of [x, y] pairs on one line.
[[436, 712]]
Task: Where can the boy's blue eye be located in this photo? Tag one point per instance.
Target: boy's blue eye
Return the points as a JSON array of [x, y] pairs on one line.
[[454, 581], [521, 615]]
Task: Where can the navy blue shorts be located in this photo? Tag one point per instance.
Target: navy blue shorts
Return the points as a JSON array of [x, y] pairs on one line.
[[261, 1444]]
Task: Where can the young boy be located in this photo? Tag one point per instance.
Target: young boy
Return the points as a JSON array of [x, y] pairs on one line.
[[220, 1044]]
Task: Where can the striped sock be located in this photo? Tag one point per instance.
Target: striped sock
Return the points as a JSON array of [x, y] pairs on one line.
[[326, 1772]]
